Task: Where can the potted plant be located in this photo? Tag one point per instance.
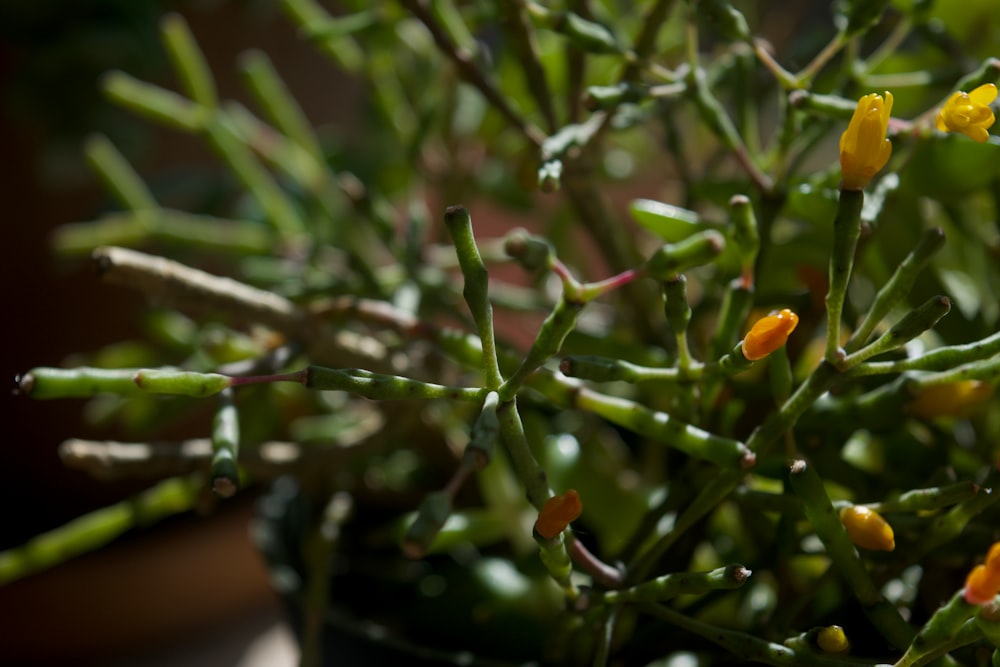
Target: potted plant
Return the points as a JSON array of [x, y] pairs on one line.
[[585, 348]]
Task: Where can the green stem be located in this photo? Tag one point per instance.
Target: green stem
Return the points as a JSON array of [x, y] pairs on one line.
[[662, 428], [329, 33], [280, 210], [745, 235], [820, 512], [785, 79], [119, 177], [237, 237], [274, 97], [162, 106], [476, 290], [914, 323], [924, 500], [678, 314], [431, 516], [947, 527], [736, 304], [470, 72], [987, 370], [375, 385], [805, 76], [83, 382], [547, 343], [96, 529], [784, 419], [607, 369], [748, 648], [680, 583], [225, 472], [846, 230], [523, 40], [941, 359], [188, 61], [940, 632], [708, 499], [645, 41], [555, 558], [715, 116], [320, 545], [485, 432], [606, 638], [532, 476], [897, 286]]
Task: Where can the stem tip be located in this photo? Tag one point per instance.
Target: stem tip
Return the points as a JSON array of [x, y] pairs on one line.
[[23, 384]]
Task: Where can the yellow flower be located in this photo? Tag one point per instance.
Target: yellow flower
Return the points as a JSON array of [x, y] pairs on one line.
[[557, 513], [864, 150], [962, 398], [969, 113], [867, 528], [832, 639], [768, 334]]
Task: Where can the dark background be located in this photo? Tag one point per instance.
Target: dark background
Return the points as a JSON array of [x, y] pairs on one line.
[[194, 574]]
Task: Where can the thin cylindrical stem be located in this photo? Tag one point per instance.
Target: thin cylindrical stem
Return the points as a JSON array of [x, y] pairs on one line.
[[470, 72], [225, 472], [748, 647], [82, 382], [897, 286], [680, 583], [664, 429], [547, 343], [239, 158], [162, 106], [119, 176], [823, 517], [476, 290], [914, 323], [188, 61], [531, 475], [846, 230], [94, 530], [381, 387], [281, 107], [940, 359]]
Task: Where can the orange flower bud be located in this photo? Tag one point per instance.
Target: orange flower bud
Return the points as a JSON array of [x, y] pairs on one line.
[[951, 399], [993, 557], [867, 528], [557, 513], [768, 334], [982, 584]]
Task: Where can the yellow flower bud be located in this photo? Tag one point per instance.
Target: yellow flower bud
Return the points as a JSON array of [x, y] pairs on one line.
[[864, 150], [832, 639], [867, 529], [768, 334], [557, 513], [951, 399], [969, 113]]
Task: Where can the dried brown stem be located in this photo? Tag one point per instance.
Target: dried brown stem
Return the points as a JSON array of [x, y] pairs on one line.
[[191, 290]]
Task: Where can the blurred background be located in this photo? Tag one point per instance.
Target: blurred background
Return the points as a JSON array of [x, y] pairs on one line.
[[192, 590]]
